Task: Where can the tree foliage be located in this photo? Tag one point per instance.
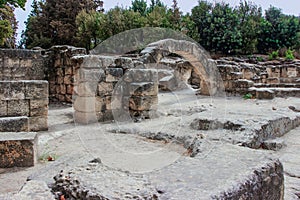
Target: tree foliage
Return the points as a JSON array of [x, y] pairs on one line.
[[54, 22], [8, 27], [249, 15], [277, 31], [14, 3], [218, 27]]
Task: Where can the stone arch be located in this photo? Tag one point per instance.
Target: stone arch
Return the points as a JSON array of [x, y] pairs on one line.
[[211, 81]]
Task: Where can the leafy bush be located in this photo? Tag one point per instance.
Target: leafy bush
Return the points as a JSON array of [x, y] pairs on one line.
[[289, 54], [273, 55], [260, 59], [247, 96]]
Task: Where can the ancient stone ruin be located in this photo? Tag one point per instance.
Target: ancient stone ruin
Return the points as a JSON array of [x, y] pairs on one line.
[[170, 96]]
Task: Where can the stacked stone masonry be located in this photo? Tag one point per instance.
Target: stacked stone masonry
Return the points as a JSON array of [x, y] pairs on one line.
[[264, 79], [16, 64], [110, 88], [24, 105], [61, 72]]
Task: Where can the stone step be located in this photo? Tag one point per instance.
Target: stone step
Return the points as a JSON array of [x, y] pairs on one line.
[[17, 149], [289, 80], [266, 92], [277, 85], [14, 124]]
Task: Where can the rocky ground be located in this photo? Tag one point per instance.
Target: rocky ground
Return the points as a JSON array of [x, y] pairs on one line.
[[199, 147]]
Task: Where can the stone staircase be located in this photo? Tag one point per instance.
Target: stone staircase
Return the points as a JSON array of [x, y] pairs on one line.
[[265, 80]]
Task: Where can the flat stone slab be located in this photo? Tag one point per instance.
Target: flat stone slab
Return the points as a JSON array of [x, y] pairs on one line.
[[14, 124], [17, 149], [229, 172]]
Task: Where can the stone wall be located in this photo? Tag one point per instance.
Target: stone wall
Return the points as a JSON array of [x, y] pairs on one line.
[[242, 76], [116, 88], [21, 64], [23, 105], [61, 72]]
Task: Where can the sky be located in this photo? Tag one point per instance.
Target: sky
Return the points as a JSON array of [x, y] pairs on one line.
[[287, 6]]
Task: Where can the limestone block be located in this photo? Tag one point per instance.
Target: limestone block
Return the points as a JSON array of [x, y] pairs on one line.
[[100, 61], [228, 85], [167, 81], [264, 94], [68, 79], [272, 80], [92, 75], [19, 72], [113, 102], [11, 62], [39, 123], [86, 89], [107, 116], [144, 89], [292, 72], [61, 97], [92, 62], [24, 63], [17, 149], [125, 63], [52, 88], [236, 75], [243, 83], [3, 108], [127, 77], [247, 73], [68, 98], [63, 89], [105, 88], [70, 89], [36, 89], [60, 72], [14, 124], [108, 102], [38, 107], [283, 72], [84, 104], [100, 104], [12, 90], [18, 108], [85, 117], [36, 71], [141, 103], [60, 80], [69, 70], [144, 75], [113, 74], [57, 89]]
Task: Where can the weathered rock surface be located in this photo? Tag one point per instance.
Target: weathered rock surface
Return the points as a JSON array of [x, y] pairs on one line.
[[17, 149], [242, 177]]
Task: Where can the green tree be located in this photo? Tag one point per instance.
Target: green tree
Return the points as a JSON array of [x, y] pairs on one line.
[[153, 4], [217, 27], [8, 27], [176, 15], [90, 25], [14, 3], [56, 22], [139, 6], [189, 28], [159, 17], [277, 30], [250, 16]]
